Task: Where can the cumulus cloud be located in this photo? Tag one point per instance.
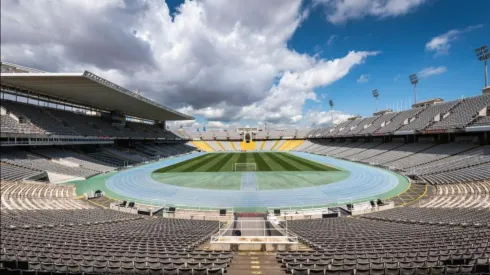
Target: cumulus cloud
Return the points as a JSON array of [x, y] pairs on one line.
[[324, 118], [340, 11], [441, 44], [364, 78], [225, 61], [431, 71]]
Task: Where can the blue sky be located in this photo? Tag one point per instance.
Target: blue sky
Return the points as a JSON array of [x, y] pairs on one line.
[[401, 41], [231, 63]]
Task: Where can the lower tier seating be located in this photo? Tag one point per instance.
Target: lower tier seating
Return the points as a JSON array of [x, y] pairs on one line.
[[37, 196], [106, 241], [389, 242]]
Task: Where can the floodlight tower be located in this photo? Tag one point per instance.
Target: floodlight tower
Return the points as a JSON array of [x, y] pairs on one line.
[[330, 102], [376, 95], [414, 80], [483, 55]]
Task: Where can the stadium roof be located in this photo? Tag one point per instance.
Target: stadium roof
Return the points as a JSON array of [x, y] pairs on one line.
[[90, 90]]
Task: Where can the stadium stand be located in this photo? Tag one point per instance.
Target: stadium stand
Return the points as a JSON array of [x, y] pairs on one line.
[[464, 195], [424, 118], [399, 120], [38, 196], [46, 229], [400, 241], [131, 244], [15, 173], [35, 162], [463, 114]]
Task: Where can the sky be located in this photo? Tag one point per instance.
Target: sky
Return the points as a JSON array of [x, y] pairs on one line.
[[231, 63]]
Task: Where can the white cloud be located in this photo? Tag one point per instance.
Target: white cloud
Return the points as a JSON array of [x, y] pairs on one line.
[[225, 61], [364, 78], [216, 124], [431, 71], [441, 44], [340, 11], [331, 39], [396, 78], [324, 118]]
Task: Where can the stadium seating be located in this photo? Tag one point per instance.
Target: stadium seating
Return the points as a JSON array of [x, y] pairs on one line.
[[34, 162], [464, 195], [37, 196], [100, 241], [402, 118], [463, 114], [399, 241], [73, 157], [447, 115], [424, 118], [15, 173], [51, 121]]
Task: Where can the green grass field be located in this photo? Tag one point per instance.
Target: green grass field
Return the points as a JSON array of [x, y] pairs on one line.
[[265, 161]]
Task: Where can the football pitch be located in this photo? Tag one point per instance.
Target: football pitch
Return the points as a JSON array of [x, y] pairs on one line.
[[271, 170], [256, 161]]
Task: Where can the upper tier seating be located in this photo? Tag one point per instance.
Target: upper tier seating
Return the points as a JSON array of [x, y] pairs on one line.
[[10, 125], [424, 118], [378, 123], [463, 114], [484, 120], [53, 121], [399, 120], [356, 129], [447, 115]]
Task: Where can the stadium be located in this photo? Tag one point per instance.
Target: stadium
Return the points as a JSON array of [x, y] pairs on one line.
[[98, 179]]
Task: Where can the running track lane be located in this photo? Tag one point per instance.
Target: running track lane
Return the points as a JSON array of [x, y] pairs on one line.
[[363, 182]]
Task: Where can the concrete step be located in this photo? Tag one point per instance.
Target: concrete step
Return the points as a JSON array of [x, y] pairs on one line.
[[255, 263]]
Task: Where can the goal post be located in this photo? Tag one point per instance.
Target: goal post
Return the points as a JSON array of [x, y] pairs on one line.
[[244, 167]]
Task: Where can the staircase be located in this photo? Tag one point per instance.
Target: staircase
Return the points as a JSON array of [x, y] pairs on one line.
[[247, 263]]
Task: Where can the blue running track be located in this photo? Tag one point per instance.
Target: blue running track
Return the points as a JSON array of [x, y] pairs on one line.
[[364, 182]]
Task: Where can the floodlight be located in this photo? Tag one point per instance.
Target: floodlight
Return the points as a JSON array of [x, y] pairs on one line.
[[414, 80], [482, 54], [376, 95]]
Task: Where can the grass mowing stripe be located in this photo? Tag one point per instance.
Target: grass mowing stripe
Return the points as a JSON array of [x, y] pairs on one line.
[[180, 165], [204, 167], [324, 166], [313, 166], [296, 164], [261, 164], [287, 166], [272, 164], [221, 163], [228, 167], [195, 166], [242, 158]]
